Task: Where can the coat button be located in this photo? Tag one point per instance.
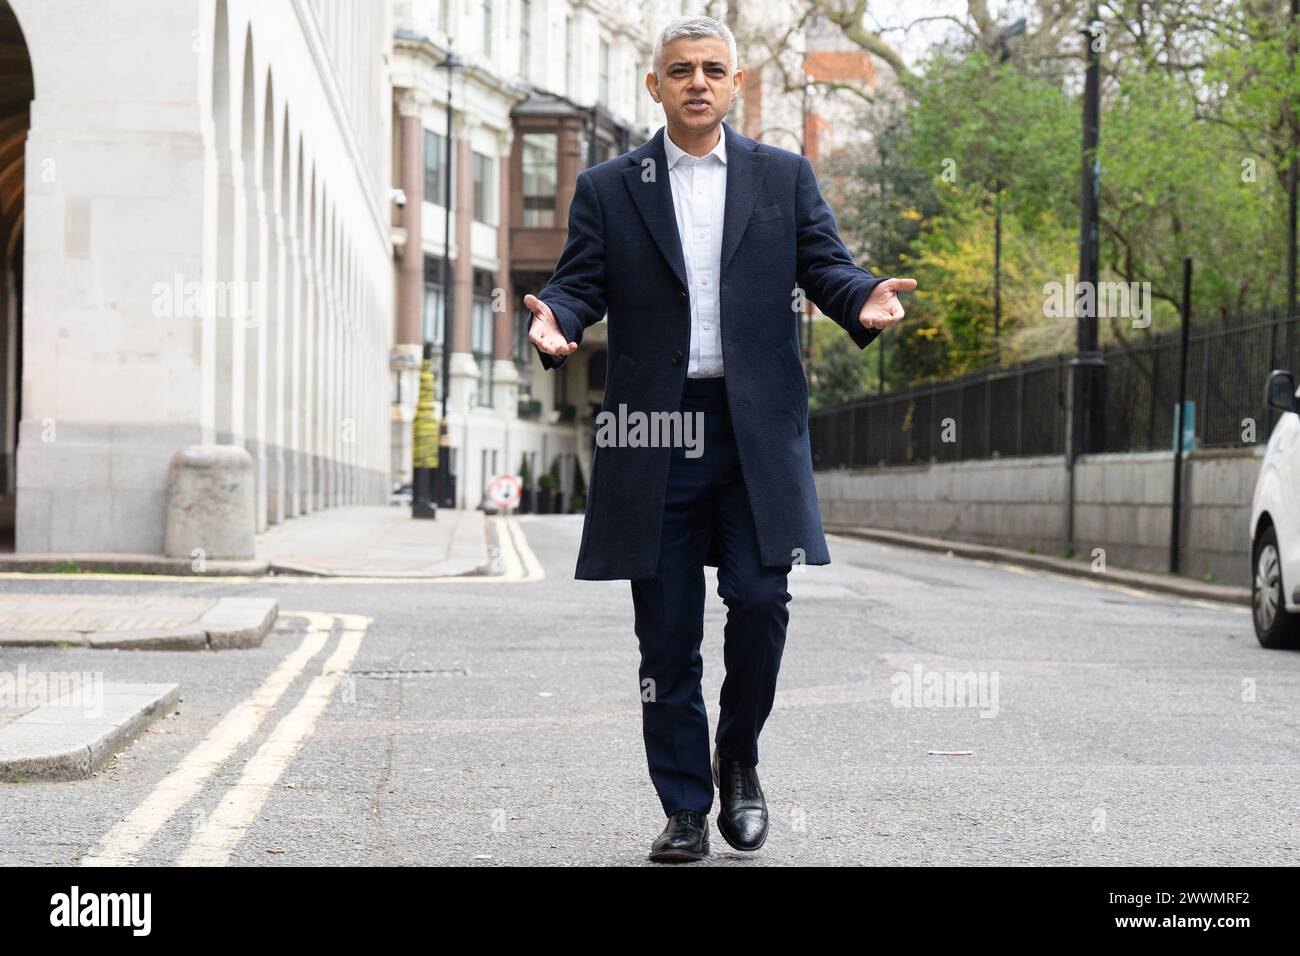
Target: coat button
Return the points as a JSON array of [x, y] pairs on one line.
[[681, 294], [677, 358]]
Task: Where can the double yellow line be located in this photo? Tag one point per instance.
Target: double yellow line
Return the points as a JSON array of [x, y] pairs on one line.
[[216, 837]]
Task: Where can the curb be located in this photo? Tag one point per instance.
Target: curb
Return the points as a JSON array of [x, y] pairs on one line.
[[230, 623], [1146, 580], [57, 741], [112, 563], [455, 569]]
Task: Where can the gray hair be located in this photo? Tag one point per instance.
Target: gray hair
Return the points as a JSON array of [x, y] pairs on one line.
[[693, 28]]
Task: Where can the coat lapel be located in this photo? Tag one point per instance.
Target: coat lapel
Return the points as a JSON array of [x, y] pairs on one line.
[[649, 185], [745, 168]]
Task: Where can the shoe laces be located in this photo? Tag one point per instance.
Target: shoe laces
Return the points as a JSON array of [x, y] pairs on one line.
[[689, 817], [744, 783]]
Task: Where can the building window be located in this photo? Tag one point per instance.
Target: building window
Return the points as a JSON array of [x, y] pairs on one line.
[[539, 175], [433, 301], [522, 346], [435, 163], [434, 318], [604, 73], [486, 25], [481, 334], [485, 189], [525, 36]]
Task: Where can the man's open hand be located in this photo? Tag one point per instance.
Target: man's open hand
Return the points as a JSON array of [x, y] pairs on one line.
[[545, 331], [882, 308]]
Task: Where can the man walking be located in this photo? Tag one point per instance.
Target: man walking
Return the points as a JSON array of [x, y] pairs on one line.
[[699, 244]]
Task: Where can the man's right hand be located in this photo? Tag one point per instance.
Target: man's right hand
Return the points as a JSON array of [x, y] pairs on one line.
[[545, 331]]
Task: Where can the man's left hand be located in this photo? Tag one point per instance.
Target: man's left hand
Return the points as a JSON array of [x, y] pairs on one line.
[[882, 309]]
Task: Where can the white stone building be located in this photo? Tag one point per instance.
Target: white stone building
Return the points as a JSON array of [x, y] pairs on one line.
[[196, 250]]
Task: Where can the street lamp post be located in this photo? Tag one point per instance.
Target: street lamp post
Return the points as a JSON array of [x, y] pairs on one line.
[[1087, 337], [442, 485], [1004, 54], [1087, 397]]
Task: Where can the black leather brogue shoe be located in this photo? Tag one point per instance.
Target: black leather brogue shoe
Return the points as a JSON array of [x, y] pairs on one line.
[[742, 817], [685, 838]]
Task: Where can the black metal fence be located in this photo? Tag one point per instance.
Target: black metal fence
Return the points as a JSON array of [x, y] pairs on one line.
[[1022, 409]]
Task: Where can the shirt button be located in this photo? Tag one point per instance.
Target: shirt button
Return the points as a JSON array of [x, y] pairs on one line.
[[704, 281], [706, 326]]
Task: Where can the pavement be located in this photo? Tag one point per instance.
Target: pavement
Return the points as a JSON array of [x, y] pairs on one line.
[[133, 622], [73, 734], [381, 540], [60, 725], [377, 541]]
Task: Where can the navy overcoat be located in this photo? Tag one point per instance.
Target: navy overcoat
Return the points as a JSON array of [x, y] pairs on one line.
[[623, 258]]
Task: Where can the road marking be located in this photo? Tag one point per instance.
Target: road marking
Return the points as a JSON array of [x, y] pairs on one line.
[[514, 546], [214, 842], [122, 844]]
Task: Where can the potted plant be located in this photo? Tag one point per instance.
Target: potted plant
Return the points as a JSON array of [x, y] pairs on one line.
[[558, 504], [526, 483], [530, 408], [546, 484], [579, 498], [567, 413]]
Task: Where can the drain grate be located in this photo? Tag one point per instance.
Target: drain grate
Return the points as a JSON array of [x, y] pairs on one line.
[[410, 674]]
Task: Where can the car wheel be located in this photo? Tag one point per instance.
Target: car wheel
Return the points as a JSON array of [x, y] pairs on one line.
[[1274, 625]]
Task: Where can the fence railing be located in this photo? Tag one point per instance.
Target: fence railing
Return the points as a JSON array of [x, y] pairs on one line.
[[1022, 409]]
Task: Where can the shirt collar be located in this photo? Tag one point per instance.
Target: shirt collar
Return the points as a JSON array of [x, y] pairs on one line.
[[676, 153]]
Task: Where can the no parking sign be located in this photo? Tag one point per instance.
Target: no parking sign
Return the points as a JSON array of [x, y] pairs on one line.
[[504, 491]]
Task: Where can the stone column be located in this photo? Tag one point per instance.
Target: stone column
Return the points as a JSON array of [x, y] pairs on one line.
[[410, 276], [464, 373], [505, 376], [567, 166]]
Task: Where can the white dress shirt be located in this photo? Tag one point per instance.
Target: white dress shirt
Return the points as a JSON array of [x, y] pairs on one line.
[[699, 188]]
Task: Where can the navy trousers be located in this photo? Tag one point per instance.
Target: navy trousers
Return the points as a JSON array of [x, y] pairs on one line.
[[706, 496]]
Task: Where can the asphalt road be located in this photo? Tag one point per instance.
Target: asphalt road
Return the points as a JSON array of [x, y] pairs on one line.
[[488, 723]]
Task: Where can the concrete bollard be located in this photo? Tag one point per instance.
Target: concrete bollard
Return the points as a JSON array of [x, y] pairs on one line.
[[210, 503]]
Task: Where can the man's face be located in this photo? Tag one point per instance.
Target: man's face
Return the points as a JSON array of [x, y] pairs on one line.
[[696, 85]]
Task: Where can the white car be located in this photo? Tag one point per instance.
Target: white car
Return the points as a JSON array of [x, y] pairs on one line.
[[1275, 524]]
